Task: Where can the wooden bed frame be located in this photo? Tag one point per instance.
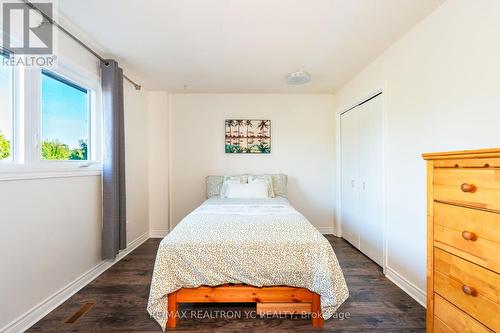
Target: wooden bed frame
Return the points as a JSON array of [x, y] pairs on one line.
[[270, 300]]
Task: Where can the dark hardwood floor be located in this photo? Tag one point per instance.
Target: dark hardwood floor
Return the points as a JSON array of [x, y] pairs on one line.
[[119, 297]]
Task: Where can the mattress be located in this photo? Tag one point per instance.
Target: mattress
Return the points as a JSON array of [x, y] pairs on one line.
[[259, 242]]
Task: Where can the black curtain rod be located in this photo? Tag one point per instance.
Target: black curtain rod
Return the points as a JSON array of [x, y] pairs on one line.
[[85, 46]]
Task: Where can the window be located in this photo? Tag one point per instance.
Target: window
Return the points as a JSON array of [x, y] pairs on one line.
[[65, 119], [6, 114], [49, 121]]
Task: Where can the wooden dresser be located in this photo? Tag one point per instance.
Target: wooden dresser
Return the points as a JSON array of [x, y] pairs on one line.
[[463, 241]]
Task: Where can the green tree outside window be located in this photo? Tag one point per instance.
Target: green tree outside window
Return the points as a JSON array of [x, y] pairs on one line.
[[4, 147]]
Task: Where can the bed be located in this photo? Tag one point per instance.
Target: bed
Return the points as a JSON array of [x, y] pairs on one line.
[[246, 250]]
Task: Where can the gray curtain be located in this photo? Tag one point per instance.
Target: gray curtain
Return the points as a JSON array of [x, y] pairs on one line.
[[113, 177]]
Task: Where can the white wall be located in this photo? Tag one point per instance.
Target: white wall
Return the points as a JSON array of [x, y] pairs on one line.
[[136, 161], [51, 228], [442, 93], [50, 236], [158, 162], [302, 147]]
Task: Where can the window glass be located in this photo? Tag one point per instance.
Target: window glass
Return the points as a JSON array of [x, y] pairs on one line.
[[6, 110], [65, 119]]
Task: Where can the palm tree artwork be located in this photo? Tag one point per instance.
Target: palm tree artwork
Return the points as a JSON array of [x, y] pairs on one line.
[[247, 136]]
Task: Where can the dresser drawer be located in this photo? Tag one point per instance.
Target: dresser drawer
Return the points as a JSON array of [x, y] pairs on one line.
[[472, 187], [448, 318], [470, 287], [491, 162], [470, 233]]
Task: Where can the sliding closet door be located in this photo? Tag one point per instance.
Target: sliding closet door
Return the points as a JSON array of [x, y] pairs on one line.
[[371, 181], [349, 131]]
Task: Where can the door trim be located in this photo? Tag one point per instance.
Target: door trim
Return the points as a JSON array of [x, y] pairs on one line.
[[382, 90]]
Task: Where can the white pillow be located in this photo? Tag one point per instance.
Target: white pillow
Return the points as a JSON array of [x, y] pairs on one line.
[[255, 190], [223, 189], [266, 178], [231, 179]]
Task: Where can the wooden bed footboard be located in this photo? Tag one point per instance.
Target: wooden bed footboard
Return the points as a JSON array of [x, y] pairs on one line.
[[270, 300]]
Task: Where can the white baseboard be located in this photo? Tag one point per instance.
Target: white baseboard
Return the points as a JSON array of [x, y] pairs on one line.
[[160, 233], [28, 319], [416, 293], [326, 230]]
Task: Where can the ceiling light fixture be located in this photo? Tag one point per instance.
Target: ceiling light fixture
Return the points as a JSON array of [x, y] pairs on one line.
[[300, 77]]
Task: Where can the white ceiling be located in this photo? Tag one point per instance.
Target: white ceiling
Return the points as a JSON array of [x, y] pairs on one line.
[[244, 45]]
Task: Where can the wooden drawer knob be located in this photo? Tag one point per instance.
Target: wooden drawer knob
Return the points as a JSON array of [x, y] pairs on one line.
[[466, 187], [468, 235], [468, 290]]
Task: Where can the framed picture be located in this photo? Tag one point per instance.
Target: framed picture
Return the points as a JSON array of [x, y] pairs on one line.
[[248, 136]]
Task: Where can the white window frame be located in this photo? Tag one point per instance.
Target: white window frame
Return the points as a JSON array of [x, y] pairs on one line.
[[27, 111], [15, 150]]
